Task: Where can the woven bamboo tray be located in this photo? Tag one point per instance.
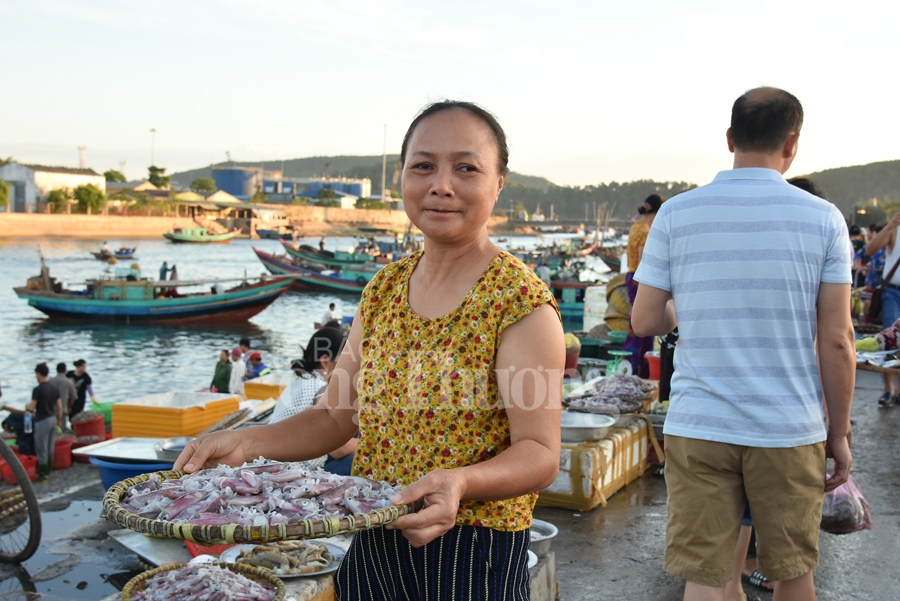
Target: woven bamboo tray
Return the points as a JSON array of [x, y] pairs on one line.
[[261, 575], [233, 533]]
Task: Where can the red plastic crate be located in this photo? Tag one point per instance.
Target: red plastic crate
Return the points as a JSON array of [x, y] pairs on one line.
[[62, 453], [29, 462]]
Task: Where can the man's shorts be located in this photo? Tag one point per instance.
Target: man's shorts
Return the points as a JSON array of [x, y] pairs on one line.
[[709, 484]]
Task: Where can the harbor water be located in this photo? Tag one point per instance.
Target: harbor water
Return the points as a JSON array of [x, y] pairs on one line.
[[131, 361]]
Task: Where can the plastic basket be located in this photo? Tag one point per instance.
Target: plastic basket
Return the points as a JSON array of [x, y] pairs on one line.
[[90, 427], [29, 462], [653, 363], [196, 549], [62, 453]]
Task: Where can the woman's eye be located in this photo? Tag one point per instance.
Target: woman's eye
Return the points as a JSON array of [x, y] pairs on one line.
[[467, 168], [422, 166]]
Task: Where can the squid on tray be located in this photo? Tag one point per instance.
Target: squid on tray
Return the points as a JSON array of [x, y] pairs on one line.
[[202, 583], [256, 494]]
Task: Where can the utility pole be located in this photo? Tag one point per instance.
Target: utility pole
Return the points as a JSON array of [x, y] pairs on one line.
[[384, 163], [122, 168], [81, 160], [153, 147]]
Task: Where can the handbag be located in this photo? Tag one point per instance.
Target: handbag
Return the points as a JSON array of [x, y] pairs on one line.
[[874, 311]]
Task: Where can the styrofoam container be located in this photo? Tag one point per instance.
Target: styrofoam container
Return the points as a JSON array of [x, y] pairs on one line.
[[171, 414], [269, 386]]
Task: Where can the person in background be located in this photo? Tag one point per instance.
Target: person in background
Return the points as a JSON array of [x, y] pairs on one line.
[[322, 244], [886, 240], [174, 272], [104, 248], [639, 346], [238, 372], [313, 371], [875, 266], [244, 345], [66, 388], [543, 272], [163, 271], [83, 386], [740, 427], [218, 288], [858, 239], [48, 414], [221, 381], [255, 366], [331, 318]]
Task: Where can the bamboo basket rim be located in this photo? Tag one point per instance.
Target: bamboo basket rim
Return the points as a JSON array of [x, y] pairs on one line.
[[257, 574], [235, 533]]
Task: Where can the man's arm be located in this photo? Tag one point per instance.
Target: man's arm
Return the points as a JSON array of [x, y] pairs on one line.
[[652, 313], [886, 237], [837, 370]]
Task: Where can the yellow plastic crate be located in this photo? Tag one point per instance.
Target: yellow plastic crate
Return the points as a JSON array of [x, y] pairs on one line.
[[269, 386], [171, 414]]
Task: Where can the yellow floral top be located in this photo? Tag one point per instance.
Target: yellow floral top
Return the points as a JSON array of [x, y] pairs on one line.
[[428, 395], [637, 238]]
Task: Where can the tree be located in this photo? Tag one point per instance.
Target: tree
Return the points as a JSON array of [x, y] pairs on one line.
[[4, 194], [158, 177], [300, 201], [369, 203], [6, 161], [203, 184], [58, 200], [114, 176], [259, 198], [89, 198], [326, 193], [328, 202]]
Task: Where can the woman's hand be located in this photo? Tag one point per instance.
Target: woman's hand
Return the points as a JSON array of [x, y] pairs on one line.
[[212, 449], [441, 491]]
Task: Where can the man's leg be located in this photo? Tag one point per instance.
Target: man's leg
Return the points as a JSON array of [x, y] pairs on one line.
[[698, 592], [734, 590], [801, 588]]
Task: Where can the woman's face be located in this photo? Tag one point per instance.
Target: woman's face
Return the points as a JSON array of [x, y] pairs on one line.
[[451, 179], [223, 357]]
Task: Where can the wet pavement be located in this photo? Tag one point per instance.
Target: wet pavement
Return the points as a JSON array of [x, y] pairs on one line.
[[610, 553]]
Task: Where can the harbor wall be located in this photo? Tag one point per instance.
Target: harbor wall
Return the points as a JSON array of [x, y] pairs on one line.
[[88, 227]]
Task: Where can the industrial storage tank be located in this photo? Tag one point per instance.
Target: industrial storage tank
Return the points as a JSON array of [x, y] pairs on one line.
[[354, 189], [237, 181]]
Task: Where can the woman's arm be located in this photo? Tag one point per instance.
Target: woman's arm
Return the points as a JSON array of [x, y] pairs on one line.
[[529, 376], [306, 435], [347, 449], [886, 237]]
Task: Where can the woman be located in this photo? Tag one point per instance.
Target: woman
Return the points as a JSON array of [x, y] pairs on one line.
[[313, 371], [459, 354], [637, 237], [222, 377]]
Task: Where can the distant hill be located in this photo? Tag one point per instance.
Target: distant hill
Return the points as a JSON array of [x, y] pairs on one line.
[[858, 185], [846, 187]]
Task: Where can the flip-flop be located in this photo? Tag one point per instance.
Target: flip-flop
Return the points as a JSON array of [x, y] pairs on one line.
[[756, 579]]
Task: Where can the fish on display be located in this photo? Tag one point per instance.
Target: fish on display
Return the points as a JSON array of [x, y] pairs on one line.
[[259, 493], [202, 583]]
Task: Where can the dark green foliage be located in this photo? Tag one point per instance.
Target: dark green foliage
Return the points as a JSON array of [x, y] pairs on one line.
[[203, 184], [4, 193], [259, 198], [89, 196], [369, 203], [114, 176], [58, 199], [859, 185], [328, 202], [158, 177]]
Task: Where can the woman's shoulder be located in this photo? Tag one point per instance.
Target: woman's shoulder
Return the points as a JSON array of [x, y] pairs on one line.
[[513, 289]]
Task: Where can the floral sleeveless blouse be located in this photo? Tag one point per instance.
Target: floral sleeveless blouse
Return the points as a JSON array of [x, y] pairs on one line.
[[428, 395]]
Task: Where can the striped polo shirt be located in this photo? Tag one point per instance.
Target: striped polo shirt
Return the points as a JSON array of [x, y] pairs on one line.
[[743, 258]]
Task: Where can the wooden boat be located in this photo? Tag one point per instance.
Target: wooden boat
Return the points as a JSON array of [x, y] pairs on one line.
[[349, 279], [148, 301], [335, 260], [282, 232], [199, 235], [121, 254], [611, 259]]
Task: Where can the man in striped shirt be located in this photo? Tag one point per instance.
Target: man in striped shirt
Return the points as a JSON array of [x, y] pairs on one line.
[[757, 273]]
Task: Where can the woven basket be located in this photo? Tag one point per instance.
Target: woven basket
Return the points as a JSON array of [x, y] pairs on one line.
[[233, 533], [261, 575]]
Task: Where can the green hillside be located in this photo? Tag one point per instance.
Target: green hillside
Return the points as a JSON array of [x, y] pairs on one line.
[[846, 187]]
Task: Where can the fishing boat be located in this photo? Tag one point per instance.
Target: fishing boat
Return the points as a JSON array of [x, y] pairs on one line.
[[199, 235], [120, 254], [348, 279], [282, 232], [124, 298], [612, 260], [335, 260]]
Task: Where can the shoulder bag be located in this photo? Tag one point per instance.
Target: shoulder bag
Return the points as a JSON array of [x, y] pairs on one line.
[[874, 311]]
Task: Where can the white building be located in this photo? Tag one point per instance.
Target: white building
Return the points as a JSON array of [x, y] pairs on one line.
[[30, 184]]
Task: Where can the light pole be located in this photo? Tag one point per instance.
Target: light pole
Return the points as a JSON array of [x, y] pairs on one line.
[[153, 147], [384, 163]]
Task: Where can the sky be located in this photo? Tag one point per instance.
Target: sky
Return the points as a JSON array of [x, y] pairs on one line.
[[588, 92]]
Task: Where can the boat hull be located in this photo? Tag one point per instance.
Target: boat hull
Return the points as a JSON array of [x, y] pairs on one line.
[[307, 253], [238, 304], [211, 239], [310, 280]]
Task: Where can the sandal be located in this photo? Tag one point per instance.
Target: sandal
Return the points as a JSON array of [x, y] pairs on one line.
[[757, 580], [885, 399]]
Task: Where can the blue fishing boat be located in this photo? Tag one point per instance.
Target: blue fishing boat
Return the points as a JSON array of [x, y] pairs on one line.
[[126, 298], [120, 254], [335, 260]]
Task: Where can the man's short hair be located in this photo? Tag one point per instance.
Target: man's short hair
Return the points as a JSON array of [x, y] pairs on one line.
[[763, 118], [331, 305], [808, 185], [245, 342], [60, 368], [79, 363], [42, 369]]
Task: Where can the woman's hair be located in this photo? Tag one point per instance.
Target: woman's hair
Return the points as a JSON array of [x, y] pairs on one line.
[[651, 205], [447, 105], [325, 343]]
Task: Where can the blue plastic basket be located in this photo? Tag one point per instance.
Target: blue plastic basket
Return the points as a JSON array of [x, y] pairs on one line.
[[112, 472]]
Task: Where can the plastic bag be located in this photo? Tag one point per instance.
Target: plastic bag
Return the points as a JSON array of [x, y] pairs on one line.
[[845, 510]]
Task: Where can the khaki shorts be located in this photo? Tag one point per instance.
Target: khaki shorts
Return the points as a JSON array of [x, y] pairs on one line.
[[709, 484]]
